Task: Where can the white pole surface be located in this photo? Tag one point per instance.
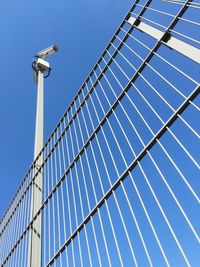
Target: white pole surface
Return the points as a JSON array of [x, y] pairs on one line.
[[34, 258]]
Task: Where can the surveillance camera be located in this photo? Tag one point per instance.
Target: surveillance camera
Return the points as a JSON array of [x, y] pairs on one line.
[[48, 51]]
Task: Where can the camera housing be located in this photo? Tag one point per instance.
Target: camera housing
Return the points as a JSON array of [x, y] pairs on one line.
[[48, 51]]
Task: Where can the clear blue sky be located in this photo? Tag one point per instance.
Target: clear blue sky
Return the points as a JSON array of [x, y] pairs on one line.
[[81, 29]]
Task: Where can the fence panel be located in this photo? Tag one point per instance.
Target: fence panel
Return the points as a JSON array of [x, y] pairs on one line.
[[121, 169]]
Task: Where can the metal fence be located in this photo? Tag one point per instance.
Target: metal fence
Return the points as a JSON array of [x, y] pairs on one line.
[[121, 169]]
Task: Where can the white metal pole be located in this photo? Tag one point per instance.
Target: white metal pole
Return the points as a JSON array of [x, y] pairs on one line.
[[39, 116], [40, 66], [35, 232]]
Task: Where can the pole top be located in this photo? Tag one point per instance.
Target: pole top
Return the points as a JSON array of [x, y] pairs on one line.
[[40, 64]]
